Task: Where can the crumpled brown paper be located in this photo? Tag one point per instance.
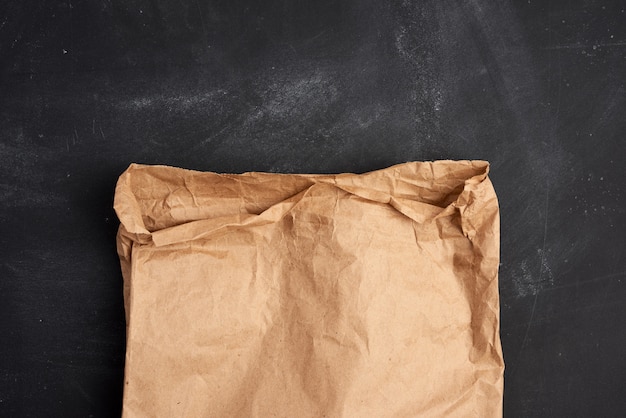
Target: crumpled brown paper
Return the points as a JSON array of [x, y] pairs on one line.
[[271, 295]]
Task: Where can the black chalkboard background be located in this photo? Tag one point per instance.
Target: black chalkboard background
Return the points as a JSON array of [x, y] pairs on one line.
[[535, 87]]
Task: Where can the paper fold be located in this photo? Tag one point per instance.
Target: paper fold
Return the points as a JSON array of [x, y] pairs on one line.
[[418, 200]]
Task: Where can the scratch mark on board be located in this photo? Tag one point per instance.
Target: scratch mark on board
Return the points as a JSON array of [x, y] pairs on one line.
[[592, 280], [542, 267], [542, 261], [203, 25], [210, 138], [530, 321], [585, 46]]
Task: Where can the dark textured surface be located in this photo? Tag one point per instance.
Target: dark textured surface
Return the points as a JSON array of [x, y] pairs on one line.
[[536, 88]]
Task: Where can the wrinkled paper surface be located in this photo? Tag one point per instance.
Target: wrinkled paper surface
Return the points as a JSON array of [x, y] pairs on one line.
[[274, 295]]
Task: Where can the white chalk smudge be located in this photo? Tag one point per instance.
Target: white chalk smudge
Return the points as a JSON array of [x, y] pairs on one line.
[[181, 102], [291, 97], [529, 283]]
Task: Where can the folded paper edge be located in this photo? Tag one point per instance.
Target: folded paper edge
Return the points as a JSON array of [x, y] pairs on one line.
[[132, 225], [127, 208]]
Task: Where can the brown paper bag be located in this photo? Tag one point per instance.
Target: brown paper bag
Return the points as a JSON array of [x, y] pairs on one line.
[[270, 295]]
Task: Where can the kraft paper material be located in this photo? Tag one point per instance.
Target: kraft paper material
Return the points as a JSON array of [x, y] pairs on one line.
[[280, 295]]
